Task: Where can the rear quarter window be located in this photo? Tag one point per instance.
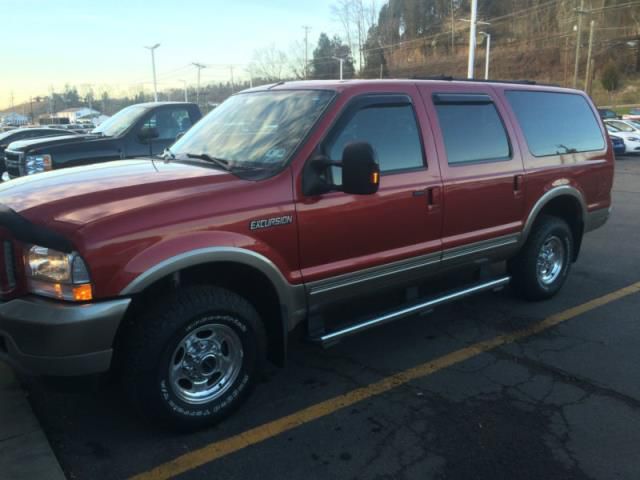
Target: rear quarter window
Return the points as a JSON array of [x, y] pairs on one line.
[[556, 123]]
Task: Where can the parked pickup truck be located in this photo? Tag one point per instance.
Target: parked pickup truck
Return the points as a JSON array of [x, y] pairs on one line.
[[142, 129], [283, 208]]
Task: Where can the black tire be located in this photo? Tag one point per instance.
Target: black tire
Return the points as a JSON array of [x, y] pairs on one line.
[[526, 278], [153, 342]]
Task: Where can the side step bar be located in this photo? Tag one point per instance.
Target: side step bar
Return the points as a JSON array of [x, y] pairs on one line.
[[333, 337]]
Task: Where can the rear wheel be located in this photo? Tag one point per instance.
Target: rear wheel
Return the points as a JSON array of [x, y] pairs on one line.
[[541, 267], [194, 358]]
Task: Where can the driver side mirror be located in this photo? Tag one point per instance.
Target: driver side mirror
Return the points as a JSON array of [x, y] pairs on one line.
[[360, 172], [147, 134]]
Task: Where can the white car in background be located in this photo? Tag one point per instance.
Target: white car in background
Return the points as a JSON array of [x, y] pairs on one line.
[[628, 134], [629, 126]]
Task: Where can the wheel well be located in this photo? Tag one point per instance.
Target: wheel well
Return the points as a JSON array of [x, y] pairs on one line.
[[246, 281], [567, 208]]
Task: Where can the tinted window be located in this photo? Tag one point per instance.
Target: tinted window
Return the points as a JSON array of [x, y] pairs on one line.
[[392, 132], [472, 132], [556, 123]]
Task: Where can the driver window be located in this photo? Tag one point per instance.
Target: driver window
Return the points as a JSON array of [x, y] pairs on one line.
[[391, 130], [169, 123]]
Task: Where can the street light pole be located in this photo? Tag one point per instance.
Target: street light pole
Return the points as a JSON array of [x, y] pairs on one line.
[[184, 83], [472, 38], [488, 54], [341, 60], [153, 67]]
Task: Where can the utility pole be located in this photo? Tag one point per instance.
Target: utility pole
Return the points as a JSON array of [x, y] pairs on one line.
[[472, 38], [231, 72], [11, 96], [588, 73], [199, 66], [381, 71], [153, 68], [184, 84], [578, 39], [566, 60], [306, 50], [487, 54]]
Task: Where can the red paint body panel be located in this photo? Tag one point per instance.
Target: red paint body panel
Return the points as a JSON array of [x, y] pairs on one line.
[[125, 217]]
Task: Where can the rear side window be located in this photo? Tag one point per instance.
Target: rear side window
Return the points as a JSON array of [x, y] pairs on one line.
[[472, 129], [556, 123]]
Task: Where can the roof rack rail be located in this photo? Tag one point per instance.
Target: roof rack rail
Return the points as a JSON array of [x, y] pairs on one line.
[[450, 78]]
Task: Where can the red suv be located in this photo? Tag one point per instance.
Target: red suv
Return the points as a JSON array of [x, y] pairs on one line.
[[185, 273]]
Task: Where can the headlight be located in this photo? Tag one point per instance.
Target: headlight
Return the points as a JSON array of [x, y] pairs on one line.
[[633, 139], [57, 274], [37, 164]]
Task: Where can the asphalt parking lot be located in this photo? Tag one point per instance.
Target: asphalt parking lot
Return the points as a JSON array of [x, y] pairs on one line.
[[489, 388]]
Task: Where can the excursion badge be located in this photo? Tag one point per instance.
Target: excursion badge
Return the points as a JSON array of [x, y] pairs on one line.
[[270, 222]]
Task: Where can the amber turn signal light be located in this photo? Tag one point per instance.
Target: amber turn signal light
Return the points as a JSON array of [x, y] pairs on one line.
[[82, 293]]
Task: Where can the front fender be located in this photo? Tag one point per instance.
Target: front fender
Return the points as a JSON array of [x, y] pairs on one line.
[[166, 257]]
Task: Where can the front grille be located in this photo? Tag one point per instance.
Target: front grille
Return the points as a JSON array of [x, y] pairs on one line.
[[12, 163]]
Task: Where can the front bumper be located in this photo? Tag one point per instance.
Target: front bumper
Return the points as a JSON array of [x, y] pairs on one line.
[[46, 337]]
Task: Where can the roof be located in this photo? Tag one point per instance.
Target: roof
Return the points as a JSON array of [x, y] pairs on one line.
[[341, 85]]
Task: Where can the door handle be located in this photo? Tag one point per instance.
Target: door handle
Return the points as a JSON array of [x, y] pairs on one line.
[[433, 197], [518, 180]]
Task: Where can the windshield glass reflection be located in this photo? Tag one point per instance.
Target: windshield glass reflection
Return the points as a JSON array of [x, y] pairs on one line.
[[259, 129]]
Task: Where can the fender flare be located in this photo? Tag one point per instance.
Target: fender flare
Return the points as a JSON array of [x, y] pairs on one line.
[[291, 297], [564, 190]]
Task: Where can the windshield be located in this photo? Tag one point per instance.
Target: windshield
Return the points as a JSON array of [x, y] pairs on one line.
[[257, 130], [120, 122]]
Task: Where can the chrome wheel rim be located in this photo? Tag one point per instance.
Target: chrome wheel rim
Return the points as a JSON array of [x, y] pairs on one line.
[[205, 363], [550, 260]]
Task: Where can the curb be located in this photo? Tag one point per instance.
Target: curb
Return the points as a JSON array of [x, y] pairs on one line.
[[25, 452]]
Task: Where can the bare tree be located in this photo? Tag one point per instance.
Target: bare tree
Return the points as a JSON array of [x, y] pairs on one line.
[[268, 63], [355, 17], [296, 59]]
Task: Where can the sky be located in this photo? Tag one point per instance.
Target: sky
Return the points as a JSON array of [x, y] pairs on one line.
[[50, 43]]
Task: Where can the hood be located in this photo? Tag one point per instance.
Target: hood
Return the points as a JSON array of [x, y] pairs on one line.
[[24, 145], [72, 198]]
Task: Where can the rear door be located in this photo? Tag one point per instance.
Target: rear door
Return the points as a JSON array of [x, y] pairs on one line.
[[482, 170], [361, 242]]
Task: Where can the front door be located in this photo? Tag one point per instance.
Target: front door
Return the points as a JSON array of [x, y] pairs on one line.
[[352, 242]]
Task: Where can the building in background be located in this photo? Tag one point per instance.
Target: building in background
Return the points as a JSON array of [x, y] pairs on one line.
[[76, 114], [13, 118]]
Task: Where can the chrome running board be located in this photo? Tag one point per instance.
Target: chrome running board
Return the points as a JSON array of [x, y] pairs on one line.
[[423, 305]]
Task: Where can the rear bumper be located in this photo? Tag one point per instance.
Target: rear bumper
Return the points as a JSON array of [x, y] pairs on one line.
[[45, 337]]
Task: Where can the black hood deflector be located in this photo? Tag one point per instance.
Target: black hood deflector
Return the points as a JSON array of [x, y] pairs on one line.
[[25, 231]]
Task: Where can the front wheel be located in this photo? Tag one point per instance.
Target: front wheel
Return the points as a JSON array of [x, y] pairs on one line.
[[194, 357], [542, 266]]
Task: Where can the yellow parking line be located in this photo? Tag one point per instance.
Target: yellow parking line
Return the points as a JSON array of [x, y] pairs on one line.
[[258, 434]]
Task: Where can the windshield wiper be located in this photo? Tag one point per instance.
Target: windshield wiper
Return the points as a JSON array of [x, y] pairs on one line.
[[220, 162]]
